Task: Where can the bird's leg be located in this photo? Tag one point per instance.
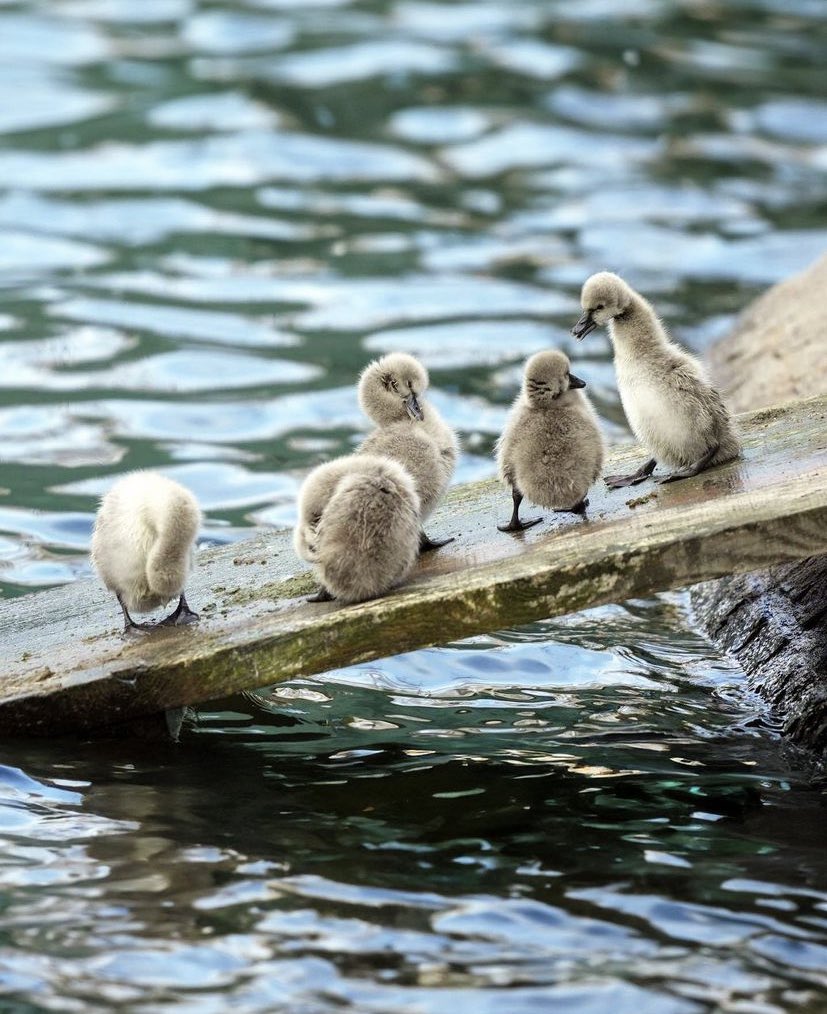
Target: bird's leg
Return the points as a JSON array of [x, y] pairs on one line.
[[128, 623], [694, 469], [322, 595], [426, 544], [515, 525], [181, 615], [618, 481], [579, 508]]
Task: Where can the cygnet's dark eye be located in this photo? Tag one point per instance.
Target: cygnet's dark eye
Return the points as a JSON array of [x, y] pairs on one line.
[[600, 306]]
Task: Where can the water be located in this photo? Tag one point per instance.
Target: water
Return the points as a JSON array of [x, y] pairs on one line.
[[210, 218]]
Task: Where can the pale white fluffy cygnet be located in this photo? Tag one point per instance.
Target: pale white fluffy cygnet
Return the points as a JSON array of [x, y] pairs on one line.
[[671, 406], [143, 542], [551, 450]]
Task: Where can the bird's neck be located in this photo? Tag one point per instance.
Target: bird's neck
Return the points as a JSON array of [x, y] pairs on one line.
[[548, 404], [429, 417], [637, 331], [384, 420]]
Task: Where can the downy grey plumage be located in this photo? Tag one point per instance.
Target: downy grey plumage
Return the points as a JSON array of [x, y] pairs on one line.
[[359, 526], [551, 450], [672, 408], [409, 429]]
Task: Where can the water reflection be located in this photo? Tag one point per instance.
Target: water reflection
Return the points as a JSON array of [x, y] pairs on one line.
[[572, 825]]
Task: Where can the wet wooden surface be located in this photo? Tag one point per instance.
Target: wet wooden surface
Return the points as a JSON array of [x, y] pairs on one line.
[[68, 668]]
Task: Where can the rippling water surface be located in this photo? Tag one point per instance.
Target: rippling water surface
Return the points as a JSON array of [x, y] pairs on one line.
[[211, 216]]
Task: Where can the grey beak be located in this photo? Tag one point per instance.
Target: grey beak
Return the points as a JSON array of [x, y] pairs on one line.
[[584, 326], [575, 382], [414, 408]]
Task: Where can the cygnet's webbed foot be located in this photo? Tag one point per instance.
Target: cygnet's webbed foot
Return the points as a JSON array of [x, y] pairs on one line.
[[619, 481], [426, 544], [518, 526], [579, 508], [180, 616], [322, 595], [690, 470], [515, 525], [129, 625]]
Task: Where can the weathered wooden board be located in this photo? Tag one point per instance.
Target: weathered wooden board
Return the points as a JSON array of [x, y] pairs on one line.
[[66, 666]]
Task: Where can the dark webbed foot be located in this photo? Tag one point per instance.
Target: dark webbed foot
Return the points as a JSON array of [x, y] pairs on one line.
[[426, 544], [619, 481], [515, 525], [180, 616], [518, 526], [322, 595], [129, 625], [579, 508], [690, 470]]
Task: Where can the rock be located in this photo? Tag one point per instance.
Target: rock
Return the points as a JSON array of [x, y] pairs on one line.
[[774, 622]]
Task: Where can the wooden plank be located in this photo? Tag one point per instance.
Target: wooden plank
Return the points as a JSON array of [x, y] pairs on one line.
[[68, 668]]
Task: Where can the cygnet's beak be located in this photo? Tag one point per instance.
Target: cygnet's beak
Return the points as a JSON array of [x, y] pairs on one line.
[[413, 407], [575, 382], [584, 326]]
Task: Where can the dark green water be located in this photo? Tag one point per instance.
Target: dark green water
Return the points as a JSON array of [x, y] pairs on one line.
[[211, 216]]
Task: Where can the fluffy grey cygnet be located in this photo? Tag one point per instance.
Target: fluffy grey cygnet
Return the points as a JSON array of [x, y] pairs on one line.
[[672, 408], [142, 545], [316, 491], [359, 526], [551, 449], [409, 429]]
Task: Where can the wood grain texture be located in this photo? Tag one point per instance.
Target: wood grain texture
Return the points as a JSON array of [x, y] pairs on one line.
[[67, 667]]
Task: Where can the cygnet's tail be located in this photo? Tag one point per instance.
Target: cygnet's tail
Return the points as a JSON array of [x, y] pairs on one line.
[[177, 518], [368, 537]]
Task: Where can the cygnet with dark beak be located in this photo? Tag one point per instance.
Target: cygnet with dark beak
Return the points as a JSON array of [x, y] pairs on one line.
[[672, 408], [409, 429], [551, 450]]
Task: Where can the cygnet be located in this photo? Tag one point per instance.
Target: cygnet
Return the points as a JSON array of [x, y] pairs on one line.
[[552, 449], [314, 496], [359, 526], [672, 408], [409, 429], [142, 545]]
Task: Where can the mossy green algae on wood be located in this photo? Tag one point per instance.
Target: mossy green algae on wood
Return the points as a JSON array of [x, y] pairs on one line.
[[68, 667]]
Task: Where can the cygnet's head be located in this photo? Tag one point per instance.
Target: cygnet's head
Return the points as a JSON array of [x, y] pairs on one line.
[[604, 296], [390, 389], [547, 378]]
